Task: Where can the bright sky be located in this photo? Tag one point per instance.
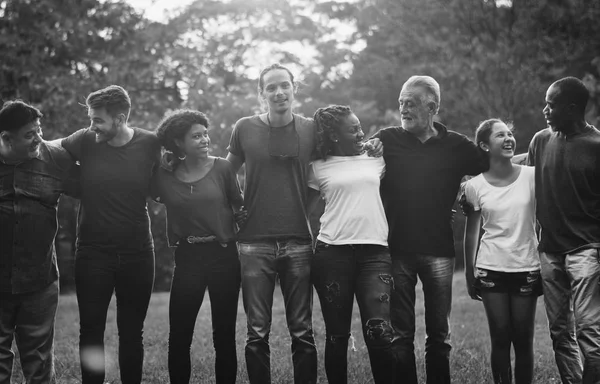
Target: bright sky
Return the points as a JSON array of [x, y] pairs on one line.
[[159, 10], [155, 9]]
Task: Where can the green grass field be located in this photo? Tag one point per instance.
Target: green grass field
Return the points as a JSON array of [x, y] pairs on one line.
[[469, 361]]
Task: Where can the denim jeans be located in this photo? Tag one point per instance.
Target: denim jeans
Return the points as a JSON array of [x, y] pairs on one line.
[[436, 275], [199, 267], [339, 272], [572, 300], [29, 318], [261, 262], [99, 273]]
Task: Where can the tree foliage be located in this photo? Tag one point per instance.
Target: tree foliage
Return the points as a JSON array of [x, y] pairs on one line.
[[492, 58]]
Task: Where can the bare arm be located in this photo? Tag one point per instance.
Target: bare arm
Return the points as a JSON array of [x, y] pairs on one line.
[[471, 241]]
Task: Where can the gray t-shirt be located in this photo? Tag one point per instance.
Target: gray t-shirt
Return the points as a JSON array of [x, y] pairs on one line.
[[567, 189], [199, 208], [275, 188], [115, 182]]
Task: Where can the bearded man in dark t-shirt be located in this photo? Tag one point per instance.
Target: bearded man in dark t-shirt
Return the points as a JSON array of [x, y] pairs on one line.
[[115, 251], [566, 156], [425, 163]]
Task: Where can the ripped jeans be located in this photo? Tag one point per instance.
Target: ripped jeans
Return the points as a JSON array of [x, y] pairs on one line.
[[339, 272]]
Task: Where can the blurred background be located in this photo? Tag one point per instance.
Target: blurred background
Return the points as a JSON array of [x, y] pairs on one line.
[[491, 58]]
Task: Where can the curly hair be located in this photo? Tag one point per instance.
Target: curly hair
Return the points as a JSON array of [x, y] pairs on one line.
[[176, 125], [327, 120]]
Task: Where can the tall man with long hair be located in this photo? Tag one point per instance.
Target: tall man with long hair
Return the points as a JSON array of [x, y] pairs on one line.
[[276, 147]]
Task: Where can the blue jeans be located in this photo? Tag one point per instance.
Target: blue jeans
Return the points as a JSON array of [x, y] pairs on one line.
[[29, 318], [339, 272], [261, 262], [99, 273], [199, 267], [572, 300], [436, 275]]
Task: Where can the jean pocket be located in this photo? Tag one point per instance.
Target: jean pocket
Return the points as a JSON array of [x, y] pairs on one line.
[[533, 276]]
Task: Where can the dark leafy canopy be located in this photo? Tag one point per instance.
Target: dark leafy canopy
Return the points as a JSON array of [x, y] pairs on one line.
[[491, 59]]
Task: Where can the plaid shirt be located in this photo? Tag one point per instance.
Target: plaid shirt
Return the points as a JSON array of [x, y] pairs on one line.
[[29, 193]]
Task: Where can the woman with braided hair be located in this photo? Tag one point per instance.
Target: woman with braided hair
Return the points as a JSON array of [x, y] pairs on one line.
[[201, 194], [352, 256]]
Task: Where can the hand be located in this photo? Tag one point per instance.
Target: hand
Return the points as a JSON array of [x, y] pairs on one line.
[[374, 147], [465, 207], [473, 291], [240, 216]]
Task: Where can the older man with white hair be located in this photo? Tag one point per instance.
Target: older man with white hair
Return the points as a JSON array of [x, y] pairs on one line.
[[425, 163]]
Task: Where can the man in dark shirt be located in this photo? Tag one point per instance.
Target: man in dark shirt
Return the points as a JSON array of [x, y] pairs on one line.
[[33, 175], [566, 156], [115, 251], [425, 163]]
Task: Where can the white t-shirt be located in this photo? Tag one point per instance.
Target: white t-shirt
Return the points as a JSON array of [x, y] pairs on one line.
[[353, 209], [509, 243]]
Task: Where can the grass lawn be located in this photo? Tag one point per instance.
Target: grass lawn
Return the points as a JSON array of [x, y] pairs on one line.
[[469, 359]]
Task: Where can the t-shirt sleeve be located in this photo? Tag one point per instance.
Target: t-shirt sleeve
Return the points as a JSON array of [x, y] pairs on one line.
[[70, 170], [235, 144], [232, 187], [312, 177], [74, 143], [471, 195]]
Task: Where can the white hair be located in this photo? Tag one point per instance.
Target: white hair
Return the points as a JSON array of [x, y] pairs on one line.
[[428, 83]]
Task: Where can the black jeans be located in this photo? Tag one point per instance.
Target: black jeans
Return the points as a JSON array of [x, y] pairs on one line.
[[199, 267], [99, 273], [339, 272]]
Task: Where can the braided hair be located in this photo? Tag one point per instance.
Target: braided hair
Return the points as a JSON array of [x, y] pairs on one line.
[[327, 120], [174, 126]]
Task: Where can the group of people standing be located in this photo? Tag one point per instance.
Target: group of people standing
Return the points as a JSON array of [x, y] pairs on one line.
[[387, 222]]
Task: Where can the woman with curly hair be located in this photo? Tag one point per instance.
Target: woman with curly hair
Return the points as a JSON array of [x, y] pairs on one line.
[[201, 195], [352, 256]]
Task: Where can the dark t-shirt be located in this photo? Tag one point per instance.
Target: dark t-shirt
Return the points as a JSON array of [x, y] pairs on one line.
[[275, 189], [420, 186], [115, 182], [199, 208], [567, 189]]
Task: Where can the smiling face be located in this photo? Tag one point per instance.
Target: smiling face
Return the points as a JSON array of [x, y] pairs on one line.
[[501, 143], [349, 136], [25, 142], [415, 109], [103, 124], [278, 90], [196, 142]]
